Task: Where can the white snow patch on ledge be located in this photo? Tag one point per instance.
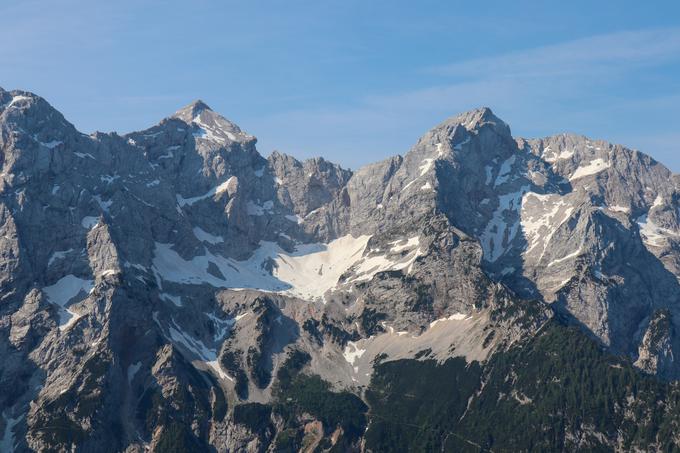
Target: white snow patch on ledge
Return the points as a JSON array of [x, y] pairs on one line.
[[16, 99], [58, 255], [594, 167], [453, 317], [51, 144], [617, 208], [62, 292], [566, 257], [561, 156], [177, 300], [89, 222], [212, 192], [295, 218], [241, 316], [204, 236]]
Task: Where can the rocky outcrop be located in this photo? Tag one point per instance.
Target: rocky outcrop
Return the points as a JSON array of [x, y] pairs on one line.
[[167, 286]]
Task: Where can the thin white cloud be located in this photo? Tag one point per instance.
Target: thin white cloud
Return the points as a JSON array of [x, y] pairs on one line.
[[551, 89], [604, 52]]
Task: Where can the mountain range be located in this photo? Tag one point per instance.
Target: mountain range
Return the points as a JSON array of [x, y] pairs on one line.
[[173, 290]]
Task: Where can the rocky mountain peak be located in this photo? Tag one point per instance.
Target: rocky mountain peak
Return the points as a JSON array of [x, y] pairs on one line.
[[189, 112], [474, 120], [22, 104], [211, 127], [478, 130]]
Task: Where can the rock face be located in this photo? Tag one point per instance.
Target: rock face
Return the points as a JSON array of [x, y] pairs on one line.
[[170, 287]]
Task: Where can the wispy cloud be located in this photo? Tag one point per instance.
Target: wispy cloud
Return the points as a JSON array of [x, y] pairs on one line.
[[623, 50], [580, 85]]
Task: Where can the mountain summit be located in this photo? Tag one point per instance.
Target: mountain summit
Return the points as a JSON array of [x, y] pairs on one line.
[[172, 288], [191, 111]]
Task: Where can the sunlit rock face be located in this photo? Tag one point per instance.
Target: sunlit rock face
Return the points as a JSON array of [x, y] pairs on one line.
[[162, 284]]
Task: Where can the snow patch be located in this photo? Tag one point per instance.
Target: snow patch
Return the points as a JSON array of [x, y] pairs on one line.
[[307, 272], [561, 156], [295, 218], [569, 256], [507, 270], [204, 236], [7, 443], [222, 326], [594, 167], [235, 274], [453, 317], [654, 235], [426, 165], [206, 355], [409, 244], [503, 226], [89, 222], [58, 255], [257, 210], [459, 146], [212, 192], [16, 99], [617, 208], [352, 353], [505, 171], [177, 300], [62, 292], [104, 205], [313, 269], [51, 144], [241, 316], [132, 371], [541, 216], [488, 170]]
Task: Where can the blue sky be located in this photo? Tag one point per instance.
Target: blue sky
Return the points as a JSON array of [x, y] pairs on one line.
[[355, 81]]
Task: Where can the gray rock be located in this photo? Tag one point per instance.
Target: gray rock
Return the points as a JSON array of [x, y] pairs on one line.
[[153, 281]]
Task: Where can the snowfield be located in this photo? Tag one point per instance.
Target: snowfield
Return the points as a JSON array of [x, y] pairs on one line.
[[308, 272]]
